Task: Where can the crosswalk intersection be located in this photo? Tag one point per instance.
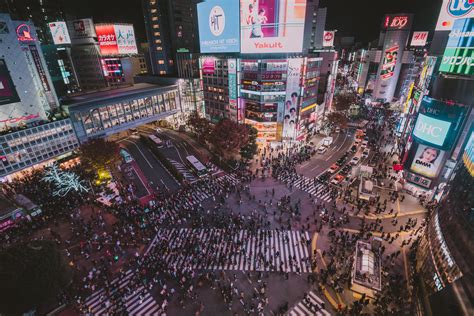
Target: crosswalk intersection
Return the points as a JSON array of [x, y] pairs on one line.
[[242, 250], [138, 302], [309, 307], [317, 189]]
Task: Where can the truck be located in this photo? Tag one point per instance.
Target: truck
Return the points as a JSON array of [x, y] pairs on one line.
[[327, 141]]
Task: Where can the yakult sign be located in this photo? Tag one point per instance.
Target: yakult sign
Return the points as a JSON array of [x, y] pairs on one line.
[[452, 10]]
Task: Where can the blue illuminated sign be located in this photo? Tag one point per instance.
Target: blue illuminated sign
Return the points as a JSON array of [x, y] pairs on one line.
[[219, 28], [431, 130]]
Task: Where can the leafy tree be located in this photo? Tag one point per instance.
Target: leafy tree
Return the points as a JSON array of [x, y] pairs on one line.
[[228, 137], [32, 274], [343, 101], [250, 149], [200, 127], [99, 153], [337, 119]]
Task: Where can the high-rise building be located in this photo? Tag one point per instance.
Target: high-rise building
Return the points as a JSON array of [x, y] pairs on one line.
[[48, 17], [171, 27]]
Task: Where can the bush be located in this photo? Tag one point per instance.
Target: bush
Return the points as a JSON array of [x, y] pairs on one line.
[[166, 163]]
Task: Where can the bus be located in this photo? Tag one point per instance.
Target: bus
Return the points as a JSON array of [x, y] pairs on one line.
[[198, 167], [156, 140]]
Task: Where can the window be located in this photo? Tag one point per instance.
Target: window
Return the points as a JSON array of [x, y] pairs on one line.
[[155, 18], [159, 48], [162, 72], [158, 41], [157, 34], [153, 10], [161, 62], [156, 26]]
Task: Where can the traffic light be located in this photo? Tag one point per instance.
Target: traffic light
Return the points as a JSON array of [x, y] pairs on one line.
[[116, 258]]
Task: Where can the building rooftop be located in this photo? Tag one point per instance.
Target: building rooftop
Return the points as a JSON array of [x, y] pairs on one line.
[[114, 94]]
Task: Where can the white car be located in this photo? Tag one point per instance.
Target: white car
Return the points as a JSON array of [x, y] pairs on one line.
[[354, 161], [322, 149], [364, 144], [366, 152]]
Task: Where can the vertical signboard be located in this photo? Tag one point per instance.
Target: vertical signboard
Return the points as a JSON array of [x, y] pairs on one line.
[[272, 26], [125, 36], [107, 39], [82, 28], [232, 70], [419, 38], [59, 33], [8, 93], [458, 56], [39, 67], [292, 98], [452, 10], [219, 26]]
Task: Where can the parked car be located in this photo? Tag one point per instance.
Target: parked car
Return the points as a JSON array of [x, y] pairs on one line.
[[364, 144], [338, 179], [365, 154], [333, 168], [355, 160]]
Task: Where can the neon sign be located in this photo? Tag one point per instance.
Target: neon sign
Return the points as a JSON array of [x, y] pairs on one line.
[[14, 120], [397, 22], [23, 32]]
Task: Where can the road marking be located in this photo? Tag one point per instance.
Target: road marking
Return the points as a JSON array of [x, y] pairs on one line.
[[141, 152]]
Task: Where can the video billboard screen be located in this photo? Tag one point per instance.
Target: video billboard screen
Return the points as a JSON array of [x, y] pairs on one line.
[[452, 10], [116, 39], [458, 56], [427, 161], [218, 23], [8, 92], [291, 106], [468, 156], [431, 130], [59, 33], [272, 26]]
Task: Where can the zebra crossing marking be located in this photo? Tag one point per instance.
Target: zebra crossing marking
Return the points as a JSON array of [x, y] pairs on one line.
[[319, 190], [221, 249], [182, 169], [304, 308]]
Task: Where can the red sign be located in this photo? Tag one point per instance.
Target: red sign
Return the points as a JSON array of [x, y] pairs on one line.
[[107, 40], [23, 32], [396, 22], [14, 120]]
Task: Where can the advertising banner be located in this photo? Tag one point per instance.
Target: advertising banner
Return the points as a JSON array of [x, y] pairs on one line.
[[8, 93], [452, 10], [116, 39], [468, 156], [419, 38], [125, 36], [328, 38], [458, 56], [389, 62], [107, 40], [272, 26], [427, 161], [232, 70], [39, 67], [431, 130], [292, 98], [82, 28], [59, 33], [218, 23], [208, 65]]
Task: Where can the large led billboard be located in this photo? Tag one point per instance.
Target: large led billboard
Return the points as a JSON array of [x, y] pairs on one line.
[[468, 156], [292, 99], [218, 23], [116, 39], [8, 92], [272, 26], [59, 33], [452, 10], [458, 56], [431, 130], [427, 161]]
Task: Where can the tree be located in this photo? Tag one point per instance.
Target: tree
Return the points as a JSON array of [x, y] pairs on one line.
[[32, 274], [99, 153], [200, 127], [343, 101], [64, 181], [337, 119], [228, 137], [250, 149]]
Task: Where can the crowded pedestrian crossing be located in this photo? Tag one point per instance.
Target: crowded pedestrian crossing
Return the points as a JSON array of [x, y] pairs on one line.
[[319, 190], [240, 250], [311, 305], [122, 298]]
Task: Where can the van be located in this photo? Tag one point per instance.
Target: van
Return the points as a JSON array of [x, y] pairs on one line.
[[327, 141], [322, 149]]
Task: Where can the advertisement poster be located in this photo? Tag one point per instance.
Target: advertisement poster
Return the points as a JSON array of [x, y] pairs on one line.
[[427, 161], [328, 38], [419, 38], [218, 23], [107, 40], [458, 56], [59, 33], [292, 98], [208, 66], [468, 156], [431, 130], [83, 28], [272, 26], [389, 62], [452, 10], [125, 36], [8, 92]]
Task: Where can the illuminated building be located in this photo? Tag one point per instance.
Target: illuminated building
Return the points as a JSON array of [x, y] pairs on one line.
[[445, 252], [172, 36]]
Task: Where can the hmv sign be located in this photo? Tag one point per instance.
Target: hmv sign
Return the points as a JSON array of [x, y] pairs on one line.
[[397, 22], [431, 130]]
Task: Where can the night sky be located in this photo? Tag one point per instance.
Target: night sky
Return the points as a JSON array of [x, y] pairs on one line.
[[360, 18]]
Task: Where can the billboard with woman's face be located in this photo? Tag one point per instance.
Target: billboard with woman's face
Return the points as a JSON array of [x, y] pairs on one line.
[[427, 161]]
